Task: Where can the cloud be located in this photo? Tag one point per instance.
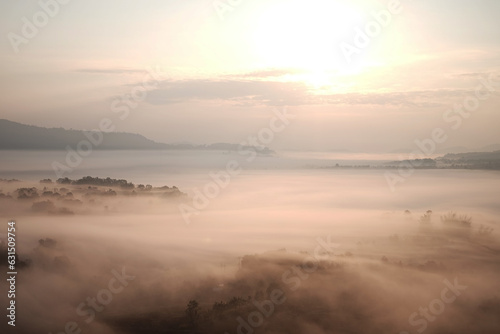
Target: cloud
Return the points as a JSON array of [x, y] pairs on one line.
[[479, 75], [419, 99], [267, 73], [109, 70], [237, 91], [275, 93]]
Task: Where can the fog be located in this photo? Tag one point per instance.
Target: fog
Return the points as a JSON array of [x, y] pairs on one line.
[[382, 256], [266, 166]]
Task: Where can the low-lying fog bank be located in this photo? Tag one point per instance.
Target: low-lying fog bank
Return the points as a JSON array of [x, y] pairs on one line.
[[272, 253]]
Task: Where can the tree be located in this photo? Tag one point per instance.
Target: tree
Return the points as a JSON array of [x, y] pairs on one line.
[[193, 311], [457, 225], [425, 222]]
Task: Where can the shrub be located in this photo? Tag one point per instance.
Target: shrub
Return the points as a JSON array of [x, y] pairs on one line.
[[27, 193], [193, 311], [457, 225]]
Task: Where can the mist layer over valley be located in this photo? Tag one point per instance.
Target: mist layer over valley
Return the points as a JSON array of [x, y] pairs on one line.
[[275, 251], [250, 167]]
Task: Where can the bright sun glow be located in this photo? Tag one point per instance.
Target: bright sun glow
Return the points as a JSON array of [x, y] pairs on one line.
[[306, 35]]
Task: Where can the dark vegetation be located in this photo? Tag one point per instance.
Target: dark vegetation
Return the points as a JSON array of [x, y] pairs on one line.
[[78, 194], [107, 182]]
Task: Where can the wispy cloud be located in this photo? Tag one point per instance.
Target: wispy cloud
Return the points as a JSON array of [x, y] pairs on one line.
[[267, 73], [274, 93], [238, 91], [109, 70], [478, 75]]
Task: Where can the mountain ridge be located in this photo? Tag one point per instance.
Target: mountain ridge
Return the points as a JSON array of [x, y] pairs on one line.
[[18, 136]]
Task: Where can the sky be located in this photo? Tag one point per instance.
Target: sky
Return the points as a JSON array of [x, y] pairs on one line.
[[359, 75]]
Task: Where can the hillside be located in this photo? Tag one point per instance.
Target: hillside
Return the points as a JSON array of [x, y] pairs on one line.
[[472, 156], [470, 160], [17, 136], [473, 160]]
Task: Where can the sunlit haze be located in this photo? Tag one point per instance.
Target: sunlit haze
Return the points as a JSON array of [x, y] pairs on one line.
[[250, 167], [224, 66]]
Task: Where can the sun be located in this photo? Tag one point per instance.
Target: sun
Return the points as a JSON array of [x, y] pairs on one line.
[[317, 79], [305, 36]]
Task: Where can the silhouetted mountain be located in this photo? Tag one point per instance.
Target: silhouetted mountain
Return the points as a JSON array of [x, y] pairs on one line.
[[472, 157], [17, 136], [470, 160]]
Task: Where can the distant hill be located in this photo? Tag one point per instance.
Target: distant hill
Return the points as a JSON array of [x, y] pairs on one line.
[[472, 156], [473, 160], [17, 136], [470, 160]]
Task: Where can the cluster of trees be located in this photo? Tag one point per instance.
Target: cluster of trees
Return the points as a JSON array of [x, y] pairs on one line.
[[32, 193], [9, 181], [96, 181], [118, 183], [107, 182], [454, 224], [195, 314], [27, 193]]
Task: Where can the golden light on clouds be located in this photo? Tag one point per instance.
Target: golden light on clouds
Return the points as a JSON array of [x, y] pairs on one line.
[[248, 54]]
